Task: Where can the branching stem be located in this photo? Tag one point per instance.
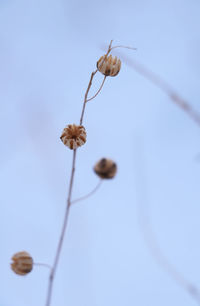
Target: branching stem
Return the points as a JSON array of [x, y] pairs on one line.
[[86, 94], [65, 222], [98, 91], [88, 194]]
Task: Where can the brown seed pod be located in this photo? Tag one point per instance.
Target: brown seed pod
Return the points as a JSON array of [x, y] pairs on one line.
[[73, 136], [109, 66], [22, 263], [105, 168]]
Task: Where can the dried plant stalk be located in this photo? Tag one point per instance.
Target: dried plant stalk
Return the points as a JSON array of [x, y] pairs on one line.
[[60, 243], [74, 136]]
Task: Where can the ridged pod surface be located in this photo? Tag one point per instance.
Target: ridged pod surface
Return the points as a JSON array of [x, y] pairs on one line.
[[105, 168], [73, 136], [22, 263], [108, 65]]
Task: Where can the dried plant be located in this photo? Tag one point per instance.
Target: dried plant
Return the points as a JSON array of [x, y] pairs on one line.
[[74, 136], [22, 263]]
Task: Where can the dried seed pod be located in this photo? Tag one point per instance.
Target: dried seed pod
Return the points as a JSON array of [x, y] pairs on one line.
[[109, 66], [22, 263], [105, 168], [73, 136]]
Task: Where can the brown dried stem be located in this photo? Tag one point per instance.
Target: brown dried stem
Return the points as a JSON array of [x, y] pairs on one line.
[[121, 46], [40, 264], [88, 194], [60, 243], [89, 86], [98, 91], [86, 94], [65, 222]]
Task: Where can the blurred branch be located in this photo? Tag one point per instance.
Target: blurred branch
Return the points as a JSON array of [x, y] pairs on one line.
[[160, 83], [147, 230], [164, 86]]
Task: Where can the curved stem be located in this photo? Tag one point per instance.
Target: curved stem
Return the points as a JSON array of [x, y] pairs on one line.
[[164, 86], [98, 90], [88, 194], [148, 233], [90, 84], [125, 47]]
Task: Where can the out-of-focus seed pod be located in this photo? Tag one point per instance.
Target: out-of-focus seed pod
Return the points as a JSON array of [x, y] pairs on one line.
[[108, 65], [73, 136], [22, 263], [105, 168]]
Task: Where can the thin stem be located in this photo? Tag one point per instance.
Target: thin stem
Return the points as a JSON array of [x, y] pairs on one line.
[[90, 84], [64, 226], [109, 48], [147, 230], [88, 194], [121, 46], [165, 87], [42, 265], [60, 243], [100, 88], [86, 94]]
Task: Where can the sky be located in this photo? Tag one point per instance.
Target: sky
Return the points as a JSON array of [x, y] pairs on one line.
[[122, 242]]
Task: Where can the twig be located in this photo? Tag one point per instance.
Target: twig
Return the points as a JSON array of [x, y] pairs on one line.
[[88, 194], [60, 243], [125, 47], [90, 84], [161, 83], [164, 86], [86, 94], [147, 231], [42, 265], [100, 88]]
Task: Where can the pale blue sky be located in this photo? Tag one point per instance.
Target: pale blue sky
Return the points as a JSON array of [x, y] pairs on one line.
[[47, 51]]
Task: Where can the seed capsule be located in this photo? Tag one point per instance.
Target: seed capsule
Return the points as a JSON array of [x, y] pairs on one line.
[[109, 66], [22, 263], [73, 136], [105, 168]]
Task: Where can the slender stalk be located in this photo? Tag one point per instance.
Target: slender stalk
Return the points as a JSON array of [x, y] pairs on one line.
[[100, 88], [89, 86], [64, 226], [165, 87], [121, 46], [40, 264], [60, 243], [88, 194], [147, 230], [86, 94]]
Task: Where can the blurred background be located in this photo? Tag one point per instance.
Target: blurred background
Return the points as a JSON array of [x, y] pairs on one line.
[[48, 50]]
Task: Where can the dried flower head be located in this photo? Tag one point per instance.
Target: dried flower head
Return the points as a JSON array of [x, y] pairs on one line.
[[73, 136], [105, 168], [109, 66], [22, 263]]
